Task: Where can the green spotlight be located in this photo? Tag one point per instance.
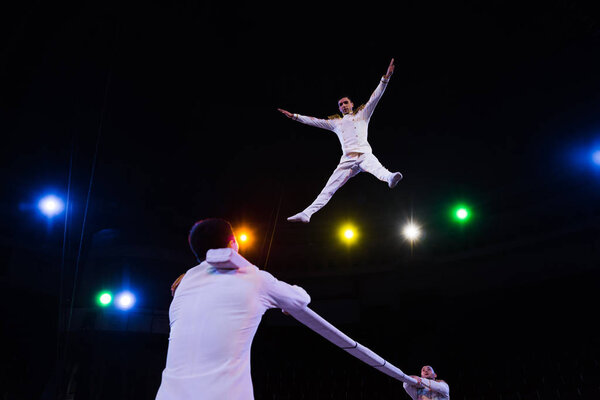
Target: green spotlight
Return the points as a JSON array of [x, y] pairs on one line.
[[461, 213], [104, 298]]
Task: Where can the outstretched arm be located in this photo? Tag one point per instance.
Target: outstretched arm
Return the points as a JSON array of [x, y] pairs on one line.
[[286, 113], [312, 121], [374, 99], [279, 294], [390, 70], [440, 387]]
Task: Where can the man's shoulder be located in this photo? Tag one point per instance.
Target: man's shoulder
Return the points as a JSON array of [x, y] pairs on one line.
[[359, 109], [175, 284]]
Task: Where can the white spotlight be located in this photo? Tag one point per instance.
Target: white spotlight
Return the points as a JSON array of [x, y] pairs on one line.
[[411, 231], [51, 205], [125, 300]]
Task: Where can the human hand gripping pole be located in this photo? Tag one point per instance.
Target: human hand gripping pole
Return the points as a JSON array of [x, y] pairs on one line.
[[229, 259]]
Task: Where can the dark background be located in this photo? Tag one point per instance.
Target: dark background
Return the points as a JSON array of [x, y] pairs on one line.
[[152, 115]]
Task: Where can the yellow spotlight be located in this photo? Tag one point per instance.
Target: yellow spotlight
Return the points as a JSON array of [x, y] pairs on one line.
[[243, 237], [348, 233]]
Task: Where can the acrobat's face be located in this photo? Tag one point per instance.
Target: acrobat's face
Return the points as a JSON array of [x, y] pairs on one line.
[[345, 105], [427, 372]]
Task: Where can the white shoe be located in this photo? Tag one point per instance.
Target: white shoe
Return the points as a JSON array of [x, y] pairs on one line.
[[394, 179], [300, 217]]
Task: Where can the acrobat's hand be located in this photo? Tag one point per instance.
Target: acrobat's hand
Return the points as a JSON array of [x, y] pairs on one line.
[[390, 70], [286, 113], [419, 381]]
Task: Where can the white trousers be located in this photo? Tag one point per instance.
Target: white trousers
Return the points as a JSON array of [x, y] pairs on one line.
[[350, 165]]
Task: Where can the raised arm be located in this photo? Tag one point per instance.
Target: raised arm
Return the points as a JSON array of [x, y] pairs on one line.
[[312, 121], [374, 99]]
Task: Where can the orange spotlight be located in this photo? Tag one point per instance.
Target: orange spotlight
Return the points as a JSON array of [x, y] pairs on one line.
[[244, 237]]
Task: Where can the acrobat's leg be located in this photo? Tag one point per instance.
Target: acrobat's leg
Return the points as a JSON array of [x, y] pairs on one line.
[[369, 163], [346, 169]]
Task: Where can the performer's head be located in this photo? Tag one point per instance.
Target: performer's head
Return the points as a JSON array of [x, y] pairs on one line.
[[211, 233], [345, 105], [428, 372]]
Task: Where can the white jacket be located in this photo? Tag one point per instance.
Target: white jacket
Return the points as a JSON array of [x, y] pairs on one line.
[[214, 316]]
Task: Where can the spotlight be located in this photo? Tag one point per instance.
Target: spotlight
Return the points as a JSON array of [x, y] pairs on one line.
[[461, 213], [50, 205], [596, 157], [104, 298], [125, 300], [348, 233], [245, 237], [411, 231]]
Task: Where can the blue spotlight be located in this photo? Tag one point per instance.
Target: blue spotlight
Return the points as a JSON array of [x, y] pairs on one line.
[[125, 300], [51, 206], [596, 157]]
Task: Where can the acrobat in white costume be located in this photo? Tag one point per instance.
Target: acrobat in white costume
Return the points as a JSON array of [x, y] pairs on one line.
[[352, 130], [229, 259]]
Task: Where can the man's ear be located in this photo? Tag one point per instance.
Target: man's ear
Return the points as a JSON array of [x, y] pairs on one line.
[[233, 244]]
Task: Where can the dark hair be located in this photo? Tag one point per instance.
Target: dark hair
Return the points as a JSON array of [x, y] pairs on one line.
[[209, 233]]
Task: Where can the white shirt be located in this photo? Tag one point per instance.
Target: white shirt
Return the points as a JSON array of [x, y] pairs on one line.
[[214, 316], [351, 129]]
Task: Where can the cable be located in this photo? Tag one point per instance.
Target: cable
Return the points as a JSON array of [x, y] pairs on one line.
[[87, 201], [64, 251], [273, 232]]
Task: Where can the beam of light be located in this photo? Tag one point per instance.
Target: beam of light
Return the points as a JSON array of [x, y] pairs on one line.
[[104, 298], [125, 300], [51, 205], [243, 237], [411, 231]]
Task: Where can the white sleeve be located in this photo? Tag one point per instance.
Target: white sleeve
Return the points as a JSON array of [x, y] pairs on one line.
[[374, 99], [440, 387], [316, 122], [411, 390], [278, 294]]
